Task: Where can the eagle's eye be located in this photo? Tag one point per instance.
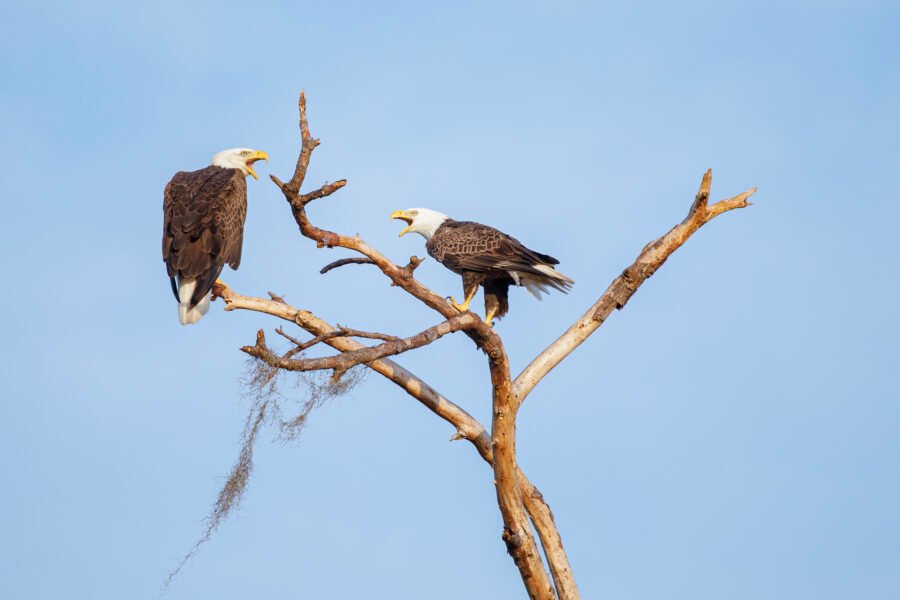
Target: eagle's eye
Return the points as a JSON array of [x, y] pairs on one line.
[[245, 152], [414, 213]]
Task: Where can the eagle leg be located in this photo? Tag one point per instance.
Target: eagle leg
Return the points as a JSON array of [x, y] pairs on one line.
[[490, 317], [460, 307], [470, 288]]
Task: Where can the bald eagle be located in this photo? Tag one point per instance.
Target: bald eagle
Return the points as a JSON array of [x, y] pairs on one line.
[[483, 256], [203, 227]]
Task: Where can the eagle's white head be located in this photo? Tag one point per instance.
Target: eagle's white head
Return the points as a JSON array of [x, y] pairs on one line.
[[239, 158], [423, 221]]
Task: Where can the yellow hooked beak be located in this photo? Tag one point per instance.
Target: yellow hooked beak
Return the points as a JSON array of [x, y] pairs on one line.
[[257, 155], [403, 216]]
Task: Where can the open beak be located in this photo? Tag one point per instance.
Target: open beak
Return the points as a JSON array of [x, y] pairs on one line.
[[403, 216], [257, 155]]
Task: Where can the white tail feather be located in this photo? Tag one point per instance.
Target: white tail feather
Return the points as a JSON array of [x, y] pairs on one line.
[[551, 272], [534, 287], [185, 289], [188, 315]]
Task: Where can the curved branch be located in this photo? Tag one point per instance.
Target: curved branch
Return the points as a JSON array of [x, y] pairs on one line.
[[346, 360], [625, 285], [346, 261], [399, 276], [466, 426], [339, 332]]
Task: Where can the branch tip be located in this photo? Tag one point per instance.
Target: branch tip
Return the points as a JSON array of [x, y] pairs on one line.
[[702, 198], [336, 375]]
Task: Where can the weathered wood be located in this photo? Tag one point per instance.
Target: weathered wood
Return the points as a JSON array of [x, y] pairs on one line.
[[521, 503], [466, 426], [348, 359], [625, 285]]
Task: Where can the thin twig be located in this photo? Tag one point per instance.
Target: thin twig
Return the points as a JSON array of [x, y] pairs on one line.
[[347, 360], [372, 335], [346, 261]]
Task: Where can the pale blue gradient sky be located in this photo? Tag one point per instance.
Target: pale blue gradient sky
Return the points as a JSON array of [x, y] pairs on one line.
[[732, 434]]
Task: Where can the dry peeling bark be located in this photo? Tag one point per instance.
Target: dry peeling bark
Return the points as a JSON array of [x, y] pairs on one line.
[[522, 506]]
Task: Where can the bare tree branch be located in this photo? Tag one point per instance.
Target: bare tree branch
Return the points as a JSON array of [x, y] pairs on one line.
[[516, 528], [517, 497], [371, 335], [399, 276], [466, 426], [349, 359], [339, 332], [346, 261], [293, 186], [517, 531], [625, 285]]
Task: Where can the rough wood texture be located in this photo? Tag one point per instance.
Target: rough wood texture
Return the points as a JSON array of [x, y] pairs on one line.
[[466, 426], [625, 285], [516, 528], [521, 504]]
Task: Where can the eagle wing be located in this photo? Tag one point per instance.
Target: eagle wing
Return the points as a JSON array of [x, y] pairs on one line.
[[203, 229], [467, 246]]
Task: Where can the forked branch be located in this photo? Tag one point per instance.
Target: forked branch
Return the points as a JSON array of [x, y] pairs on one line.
[[517, 531], [348, 359], [517, 498], [399, 276], [465, 425]]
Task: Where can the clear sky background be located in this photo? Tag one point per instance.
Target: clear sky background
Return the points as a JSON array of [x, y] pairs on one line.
[[733, 433]]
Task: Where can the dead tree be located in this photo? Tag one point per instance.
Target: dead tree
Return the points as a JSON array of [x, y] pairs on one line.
[[521, 504]]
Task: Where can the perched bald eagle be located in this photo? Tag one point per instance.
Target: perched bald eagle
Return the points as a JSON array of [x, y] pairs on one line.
[[203, 227], [485, 256]]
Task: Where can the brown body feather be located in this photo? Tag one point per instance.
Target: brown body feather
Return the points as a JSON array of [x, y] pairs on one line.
[[486, 256], [203, 228]]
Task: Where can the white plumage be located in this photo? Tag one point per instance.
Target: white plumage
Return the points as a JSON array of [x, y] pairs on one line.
[[186, 314]]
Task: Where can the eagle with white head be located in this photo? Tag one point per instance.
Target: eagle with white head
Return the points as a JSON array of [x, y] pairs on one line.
[[203, 227], [483, 256]]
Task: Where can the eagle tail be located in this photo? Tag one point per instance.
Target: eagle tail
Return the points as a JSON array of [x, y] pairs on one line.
[[534, 286], [548, 278], [554, 274], [188, 313]]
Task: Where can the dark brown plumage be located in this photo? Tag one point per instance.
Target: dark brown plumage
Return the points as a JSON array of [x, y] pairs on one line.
[[488, 257], [203, 229]]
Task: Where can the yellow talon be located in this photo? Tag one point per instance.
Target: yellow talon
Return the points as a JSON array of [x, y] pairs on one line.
[[460, 307], [490, 317], [465, 305]]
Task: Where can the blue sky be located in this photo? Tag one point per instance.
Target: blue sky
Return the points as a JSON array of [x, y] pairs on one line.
[[731, 434]]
